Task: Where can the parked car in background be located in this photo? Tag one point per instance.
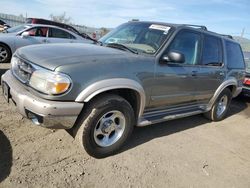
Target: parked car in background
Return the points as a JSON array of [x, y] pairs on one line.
[[153, 72], [3, 26], [62, 25], [246, 88], [30, 34]]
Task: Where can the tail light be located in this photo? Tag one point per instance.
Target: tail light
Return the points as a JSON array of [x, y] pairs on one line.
[[247, 81]]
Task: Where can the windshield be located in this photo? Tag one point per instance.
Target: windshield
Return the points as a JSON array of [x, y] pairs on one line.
[[17, 28], [142, 37]]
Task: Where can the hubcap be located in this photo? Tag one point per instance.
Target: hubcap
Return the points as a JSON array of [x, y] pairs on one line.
[[222, 106], [3, 54], [109, 128]]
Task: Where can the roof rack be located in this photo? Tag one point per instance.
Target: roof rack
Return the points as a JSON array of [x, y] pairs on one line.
[[228, 36], [196, 26]]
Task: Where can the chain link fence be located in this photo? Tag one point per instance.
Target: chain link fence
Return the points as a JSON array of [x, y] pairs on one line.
[[12, 20]]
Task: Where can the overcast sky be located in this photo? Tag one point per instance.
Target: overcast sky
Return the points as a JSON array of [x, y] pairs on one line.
[[224, 16]]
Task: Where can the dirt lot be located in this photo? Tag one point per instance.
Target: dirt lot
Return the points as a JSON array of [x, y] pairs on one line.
[[190, 152]]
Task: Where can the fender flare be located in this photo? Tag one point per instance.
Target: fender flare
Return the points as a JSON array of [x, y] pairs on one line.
[[225, 84], [109, 84]]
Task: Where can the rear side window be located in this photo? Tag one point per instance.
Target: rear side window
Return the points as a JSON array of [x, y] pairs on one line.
[[58, 33], [212, 51], [235, 58]]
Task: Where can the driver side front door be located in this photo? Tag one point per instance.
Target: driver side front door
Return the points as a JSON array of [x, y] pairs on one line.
[[174, 84], [37, 35]]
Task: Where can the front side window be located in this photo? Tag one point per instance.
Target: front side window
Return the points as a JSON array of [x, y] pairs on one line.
[[141, 37], [235, 58], [38, 31], [212, 51], [58, 33], [187, 43]]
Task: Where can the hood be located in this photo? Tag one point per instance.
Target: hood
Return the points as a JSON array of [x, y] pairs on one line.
[[51, 56], [7, 34]]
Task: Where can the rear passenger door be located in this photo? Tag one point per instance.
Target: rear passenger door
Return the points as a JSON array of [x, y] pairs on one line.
[[211, 71], [60, 36]]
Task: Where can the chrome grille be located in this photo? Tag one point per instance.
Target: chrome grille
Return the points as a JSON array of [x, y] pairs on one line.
[[22, 70]]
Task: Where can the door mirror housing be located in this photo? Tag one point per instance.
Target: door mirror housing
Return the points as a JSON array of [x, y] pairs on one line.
[[173, 56], [25, 34]]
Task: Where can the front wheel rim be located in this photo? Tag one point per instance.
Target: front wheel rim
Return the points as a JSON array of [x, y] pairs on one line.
[[222, 105], [109, 128], [3, 54]]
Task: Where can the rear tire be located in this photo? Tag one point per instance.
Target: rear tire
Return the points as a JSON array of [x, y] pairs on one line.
[[5, 54], [220, 107], [105, 125]]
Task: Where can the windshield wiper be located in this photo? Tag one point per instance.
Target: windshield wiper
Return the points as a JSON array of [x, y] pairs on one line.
[[121, 47], [86, 36]]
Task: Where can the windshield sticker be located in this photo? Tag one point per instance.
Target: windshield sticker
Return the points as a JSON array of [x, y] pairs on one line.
[[160, 27]]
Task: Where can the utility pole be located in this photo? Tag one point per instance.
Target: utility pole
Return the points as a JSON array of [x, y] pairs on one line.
[[242, 33]]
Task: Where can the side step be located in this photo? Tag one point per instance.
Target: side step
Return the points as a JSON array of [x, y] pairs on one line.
[[152, 118]]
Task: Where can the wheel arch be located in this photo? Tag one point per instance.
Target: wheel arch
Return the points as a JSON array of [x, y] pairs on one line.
[[231, 84], [129, 89], [3, 43]]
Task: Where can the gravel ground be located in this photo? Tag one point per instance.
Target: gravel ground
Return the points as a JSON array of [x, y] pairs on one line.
[[189, 152]]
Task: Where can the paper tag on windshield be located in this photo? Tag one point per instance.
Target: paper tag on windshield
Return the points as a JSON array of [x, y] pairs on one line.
[[159, 27]]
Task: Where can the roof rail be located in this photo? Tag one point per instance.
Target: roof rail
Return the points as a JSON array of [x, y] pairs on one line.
[[196, 26], [228, 36]]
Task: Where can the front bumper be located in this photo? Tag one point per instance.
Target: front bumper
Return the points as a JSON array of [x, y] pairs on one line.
[[49, 114]]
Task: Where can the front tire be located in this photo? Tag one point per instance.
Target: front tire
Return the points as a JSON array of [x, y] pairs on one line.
[[5, 54], [220, 107], [105, 125]]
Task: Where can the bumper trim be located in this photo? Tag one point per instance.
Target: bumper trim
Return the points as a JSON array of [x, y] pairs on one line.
[[246, 91], [55, 114]]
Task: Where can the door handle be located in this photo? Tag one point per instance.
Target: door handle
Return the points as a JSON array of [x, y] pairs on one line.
[[222, 74], [194, 73], [44, 40]]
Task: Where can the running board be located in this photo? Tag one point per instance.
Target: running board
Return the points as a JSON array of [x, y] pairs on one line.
[[148, 120]]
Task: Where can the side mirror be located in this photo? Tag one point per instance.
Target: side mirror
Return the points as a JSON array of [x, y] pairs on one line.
[[25, 34], [173, 56]]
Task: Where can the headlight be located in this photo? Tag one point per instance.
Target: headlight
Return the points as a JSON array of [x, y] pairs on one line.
[[49, 82], [14, 62]]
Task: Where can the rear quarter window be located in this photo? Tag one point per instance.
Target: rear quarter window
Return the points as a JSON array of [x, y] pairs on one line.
[[235, 58], [248, 64]]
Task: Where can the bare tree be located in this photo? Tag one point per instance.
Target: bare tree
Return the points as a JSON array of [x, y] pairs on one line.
[[61, 18]]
